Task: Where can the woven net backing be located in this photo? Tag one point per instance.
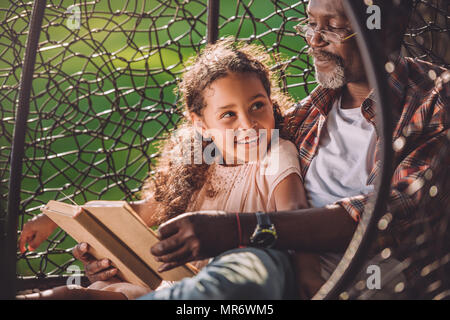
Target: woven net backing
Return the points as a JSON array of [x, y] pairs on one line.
[[428, 37], [102, 95]]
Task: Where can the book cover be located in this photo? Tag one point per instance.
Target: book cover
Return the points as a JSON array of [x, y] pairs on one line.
[[114, 231]]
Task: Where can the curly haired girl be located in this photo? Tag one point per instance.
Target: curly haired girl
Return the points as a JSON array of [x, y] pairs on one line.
[[228, 154]]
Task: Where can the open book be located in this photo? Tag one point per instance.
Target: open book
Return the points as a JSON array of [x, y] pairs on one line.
[[114, 231]]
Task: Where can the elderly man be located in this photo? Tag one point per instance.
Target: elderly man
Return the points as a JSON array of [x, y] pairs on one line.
[[336, 134]]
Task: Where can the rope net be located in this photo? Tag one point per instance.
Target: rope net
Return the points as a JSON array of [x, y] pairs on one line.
[[102, 95]]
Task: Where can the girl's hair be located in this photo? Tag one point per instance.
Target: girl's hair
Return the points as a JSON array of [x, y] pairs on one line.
[[175, 181]]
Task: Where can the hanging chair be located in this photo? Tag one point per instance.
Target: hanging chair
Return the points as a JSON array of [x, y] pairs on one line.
[[87, 94]]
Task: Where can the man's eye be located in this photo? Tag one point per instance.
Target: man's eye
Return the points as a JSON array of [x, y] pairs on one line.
[[337, 28]]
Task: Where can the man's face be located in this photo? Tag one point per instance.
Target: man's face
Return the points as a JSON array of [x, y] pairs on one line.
[[335, 63]]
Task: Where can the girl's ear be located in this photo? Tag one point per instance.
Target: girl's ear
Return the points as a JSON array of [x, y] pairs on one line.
[[198, 124]]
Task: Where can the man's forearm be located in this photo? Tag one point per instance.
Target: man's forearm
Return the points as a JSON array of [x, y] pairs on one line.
[[314, 229]]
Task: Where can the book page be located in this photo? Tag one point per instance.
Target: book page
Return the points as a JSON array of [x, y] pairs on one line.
[[119, 217]]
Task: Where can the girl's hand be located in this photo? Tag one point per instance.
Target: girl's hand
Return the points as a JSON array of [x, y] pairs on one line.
[[35, 231], [130, 291], [72, 293]]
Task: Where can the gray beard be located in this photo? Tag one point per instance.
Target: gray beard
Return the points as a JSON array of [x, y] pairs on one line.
[[332, 80]]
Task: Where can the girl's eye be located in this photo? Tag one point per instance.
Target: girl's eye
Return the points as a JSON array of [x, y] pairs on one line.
[[257, 105], [226, 115]]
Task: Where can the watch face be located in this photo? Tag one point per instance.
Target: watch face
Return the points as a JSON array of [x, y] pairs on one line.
[[264, 238]]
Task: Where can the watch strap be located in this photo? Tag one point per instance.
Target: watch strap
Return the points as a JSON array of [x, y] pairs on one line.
[[263, 219]]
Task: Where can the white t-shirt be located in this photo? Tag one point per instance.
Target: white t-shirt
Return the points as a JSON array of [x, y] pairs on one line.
[[342, 164], [344, 158]]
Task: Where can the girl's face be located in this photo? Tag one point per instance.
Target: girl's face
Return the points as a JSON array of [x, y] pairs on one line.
[[238, 117]]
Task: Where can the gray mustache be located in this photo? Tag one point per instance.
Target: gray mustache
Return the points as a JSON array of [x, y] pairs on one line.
[[324, 55]]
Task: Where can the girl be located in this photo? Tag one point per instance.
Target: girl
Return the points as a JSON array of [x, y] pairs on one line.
[[227, 156]]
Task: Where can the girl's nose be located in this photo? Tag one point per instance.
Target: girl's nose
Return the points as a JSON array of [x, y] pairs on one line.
[[247, 122]]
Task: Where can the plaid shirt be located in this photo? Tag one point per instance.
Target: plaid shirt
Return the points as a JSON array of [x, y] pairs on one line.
[[419, 107]]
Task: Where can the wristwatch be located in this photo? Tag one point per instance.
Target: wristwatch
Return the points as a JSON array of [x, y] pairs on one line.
[[265, 234]]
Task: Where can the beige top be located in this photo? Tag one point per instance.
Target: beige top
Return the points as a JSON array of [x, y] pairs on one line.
[[243, 188], [247, 187]]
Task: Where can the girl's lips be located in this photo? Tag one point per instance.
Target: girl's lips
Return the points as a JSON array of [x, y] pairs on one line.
[[248, 140]]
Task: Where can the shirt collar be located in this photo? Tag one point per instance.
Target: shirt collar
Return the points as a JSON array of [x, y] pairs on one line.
[[323, 98]]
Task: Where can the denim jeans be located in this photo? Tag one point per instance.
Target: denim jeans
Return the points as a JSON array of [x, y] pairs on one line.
[[245, 273]]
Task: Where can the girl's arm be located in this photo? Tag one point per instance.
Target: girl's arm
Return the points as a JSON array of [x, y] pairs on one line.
[[290, 194]]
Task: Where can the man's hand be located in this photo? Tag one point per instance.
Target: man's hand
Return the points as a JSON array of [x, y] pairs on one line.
[[96, 270], [195, 236]]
